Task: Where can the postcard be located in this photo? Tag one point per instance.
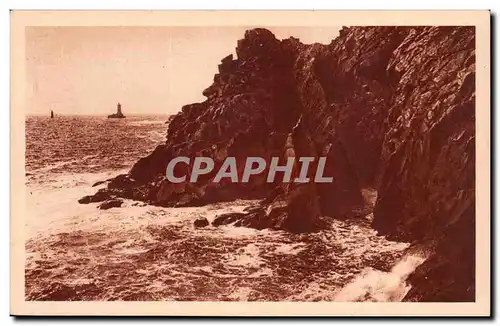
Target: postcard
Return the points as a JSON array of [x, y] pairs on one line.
[[250, 163]]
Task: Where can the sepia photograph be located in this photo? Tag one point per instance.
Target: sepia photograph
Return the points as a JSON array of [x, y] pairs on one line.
[[250, 159]]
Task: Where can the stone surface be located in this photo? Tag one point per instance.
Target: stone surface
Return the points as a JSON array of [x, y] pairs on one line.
[[427, 178], [201, 222], [110, 203], [99, 196]]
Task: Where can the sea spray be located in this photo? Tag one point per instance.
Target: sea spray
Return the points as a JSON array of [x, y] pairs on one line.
[[379, 286]]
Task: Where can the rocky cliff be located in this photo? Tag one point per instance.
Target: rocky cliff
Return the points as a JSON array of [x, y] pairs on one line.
[[392, 108]]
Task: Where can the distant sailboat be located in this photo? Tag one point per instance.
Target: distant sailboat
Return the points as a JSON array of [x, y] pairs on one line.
[[51, 114]]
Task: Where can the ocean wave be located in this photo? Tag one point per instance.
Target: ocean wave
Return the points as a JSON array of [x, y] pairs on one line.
[[379, 286], [147, 122], [77, 252]]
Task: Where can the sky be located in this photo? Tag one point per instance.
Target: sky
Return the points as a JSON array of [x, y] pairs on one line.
[[149, 70]]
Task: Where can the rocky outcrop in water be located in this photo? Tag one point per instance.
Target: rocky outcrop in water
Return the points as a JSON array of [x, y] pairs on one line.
[[110, 203], [201, 222], [392, 108], [118, 114]]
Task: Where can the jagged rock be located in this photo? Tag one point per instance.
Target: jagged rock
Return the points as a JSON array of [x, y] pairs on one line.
[[256, 220], [448, 274], [110, 204], [98, 183], [201, 222], [341, 197], [276, 216], [85, 199], [116, 116], [302, 202], [253, 209], [149, 167], [99, 196], [227, 218], [121, 181]]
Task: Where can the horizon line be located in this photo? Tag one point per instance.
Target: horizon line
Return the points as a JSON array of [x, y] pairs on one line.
[[96, 115]]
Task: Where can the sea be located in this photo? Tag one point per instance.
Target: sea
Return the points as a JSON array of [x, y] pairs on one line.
[[139, 252]]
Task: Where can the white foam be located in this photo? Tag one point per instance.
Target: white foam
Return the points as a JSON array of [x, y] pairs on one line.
[[53, 207], [230, 231], [247, 257], [379, 286], [146, 122], [290, 248], [241, 294]]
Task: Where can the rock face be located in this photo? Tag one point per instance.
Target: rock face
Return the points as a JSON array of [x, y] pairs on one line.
[[392, 108], [201, 222], [427, 176], [99, 196], [110, 203]]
